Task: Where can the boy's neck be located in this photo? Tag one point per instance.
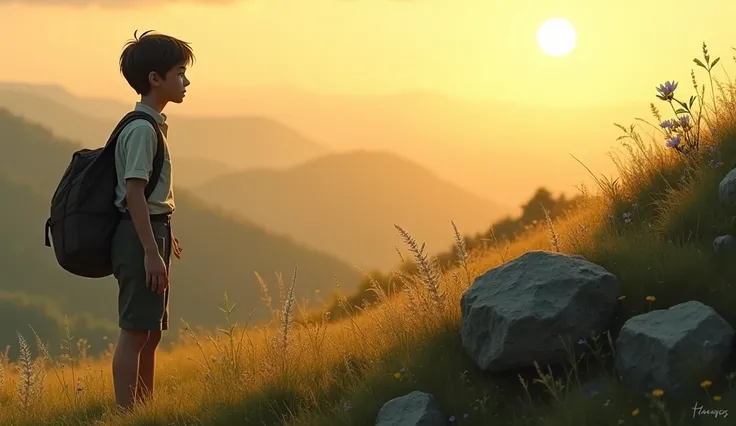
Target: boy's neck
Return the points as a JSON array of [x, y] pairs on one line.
[[154, 103]]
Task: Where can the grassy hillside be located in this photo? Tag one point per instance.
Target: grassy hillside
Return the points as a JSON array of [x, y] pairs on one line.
[[238, 141], [347, 203], [222, 252], [540, 207], [653, 228]]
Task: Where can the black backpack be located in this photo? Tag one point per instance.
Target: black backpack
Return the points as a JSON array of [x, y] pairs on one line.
[[83, 212]]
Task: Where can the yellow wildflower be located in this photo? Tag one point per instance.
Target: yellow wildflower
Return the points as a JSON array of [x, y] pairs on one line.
[[651, 298], [706, 384], [635, 412], [397, 375], [717, 398], [621, 297], [657, 392]]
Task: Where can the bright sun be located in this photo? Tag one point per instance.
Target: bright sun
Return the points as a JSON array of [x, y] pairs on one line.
[[556, 37]]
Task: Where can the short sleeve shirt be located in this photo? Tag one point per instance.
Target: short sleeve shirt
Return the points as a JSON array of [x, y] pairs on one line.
[[134, 154]]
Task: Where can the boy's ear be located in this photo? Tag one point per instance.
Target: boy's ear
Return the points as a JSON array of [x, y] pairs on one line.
[[154, 79]]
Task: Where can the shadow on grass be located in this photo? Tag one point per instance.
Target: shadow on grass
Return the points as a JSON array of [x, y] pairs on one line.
[[273, 406]]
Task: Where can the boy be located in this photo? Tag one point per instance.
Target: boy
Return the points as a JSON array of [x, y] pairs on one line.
[[154, 65]]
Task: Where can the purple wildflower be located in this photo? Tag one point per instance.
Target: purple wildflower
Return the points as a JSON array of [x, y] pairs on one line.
[[667, 90], [674, 141], [668, 124]]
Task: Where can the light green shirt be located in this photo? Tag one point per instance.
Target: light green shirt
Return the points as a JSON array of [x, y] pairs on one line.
[[134, 159]]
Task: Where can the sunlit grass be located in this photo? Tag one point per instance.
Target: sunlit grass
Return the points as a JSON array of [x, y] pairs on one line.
[[652, 227]]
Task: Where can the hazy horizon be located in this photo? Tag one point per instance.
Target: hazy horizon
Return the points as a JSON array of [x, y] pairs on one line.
[[477, 50]]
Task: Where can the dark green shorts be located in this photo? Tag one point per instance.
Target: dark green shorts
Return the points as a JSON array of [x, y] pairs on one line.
[[139, 308]]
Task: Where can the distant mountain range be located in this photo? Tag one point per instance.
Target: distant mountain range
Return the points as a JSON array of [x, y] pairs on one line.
[[222, 251], [347, 204], [236, 142], [499, 150], [192, 171]]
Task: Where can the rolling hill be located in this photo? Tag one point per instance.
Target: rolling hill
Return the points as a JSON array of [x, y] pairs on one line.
[[347, 203], [221, 252], [94, 107], [192, 171], [240, 142]]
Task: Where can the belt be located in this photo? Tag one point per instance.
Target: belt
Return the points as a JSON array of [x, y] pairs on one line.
[[160, 217]]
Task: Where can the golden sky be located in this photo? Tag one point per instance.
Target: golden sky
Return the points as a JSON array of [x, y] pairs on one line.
[[482, 49]]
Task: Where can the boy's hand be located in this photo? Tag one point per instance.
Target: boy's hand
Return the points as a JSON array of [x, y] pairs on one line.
[[176, 247], [157, 278]]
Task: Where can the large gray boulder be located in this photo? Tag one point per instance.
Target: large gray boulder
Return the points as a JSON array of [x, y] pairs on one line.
[[727, 188], [673, 349], [414, 409], [533, 308]]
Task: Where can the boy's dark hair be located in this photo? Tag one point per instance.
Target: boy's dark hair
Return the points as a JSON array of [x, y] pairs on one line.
[[149, 53]]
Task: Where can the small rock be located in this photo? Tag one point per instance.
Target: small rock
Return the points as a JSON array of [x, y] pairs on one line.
[[533, 307], [724, 244], [727, 188], [673, 349], [414, 409]]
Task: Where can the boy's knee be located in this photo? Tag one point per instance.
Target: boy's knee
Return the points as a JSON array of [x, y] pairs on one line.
[[154, 338]]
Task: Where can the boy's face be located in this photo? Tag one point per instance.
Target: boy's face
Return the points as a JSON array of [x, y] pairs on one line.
[[173, 88]]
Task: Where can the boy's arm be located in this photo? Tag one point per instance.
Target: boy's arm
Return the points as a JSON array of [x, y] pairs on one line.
[[140, 147], [138, 207]]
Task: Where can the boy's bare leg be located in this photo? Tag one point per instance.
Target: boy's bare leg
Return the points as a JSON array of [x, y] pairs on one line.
[[125, 366], [147, 366]]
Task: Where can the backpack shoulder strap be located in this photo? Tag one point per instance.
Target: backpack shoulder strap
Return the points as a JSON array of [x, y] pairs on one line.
[[158, 159], [112, 141]]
